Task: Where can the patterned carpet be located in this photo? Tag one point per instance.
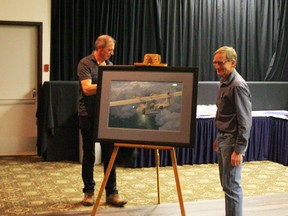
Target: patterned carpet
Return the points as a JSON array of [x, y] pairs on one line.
[[29, 186]]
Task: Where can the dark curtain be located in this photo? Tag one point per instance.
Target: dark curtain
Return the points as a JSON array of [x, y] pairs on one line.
[[183, 32], [77, 23], [278, 68]]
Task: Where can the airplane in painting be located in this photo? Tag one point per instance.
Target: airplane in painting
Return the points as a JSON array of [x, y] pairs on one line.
[[151, 104]]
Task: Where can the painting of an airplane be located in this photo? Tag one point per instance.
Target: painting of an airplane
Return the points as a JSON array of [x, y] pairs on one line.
[[145, 105], [152, 102]]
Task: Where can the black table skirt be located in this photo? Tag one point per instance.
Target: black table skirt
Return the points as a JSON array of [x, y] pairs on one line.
[[268, 141], [57, 117]]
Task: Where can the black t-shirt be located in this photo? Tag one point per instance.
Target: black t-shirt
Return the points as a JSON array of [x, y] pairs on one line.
[[88, 69]]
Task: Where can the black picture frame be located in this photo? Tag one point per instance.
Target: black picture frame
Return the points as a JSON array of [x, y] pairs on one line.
[[146, 105]]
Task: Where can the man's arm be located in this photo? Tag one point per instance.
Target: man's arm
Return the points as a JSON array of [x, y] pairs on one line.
[[244, 109], [244, 118], [88, 88]]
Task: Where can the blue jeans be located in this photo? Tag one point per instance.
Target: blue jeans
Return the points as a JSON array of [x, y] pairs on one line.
[[230, 177]]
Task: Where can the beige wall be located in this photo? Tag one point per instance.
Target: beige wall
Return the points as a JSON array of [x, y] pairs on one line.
[[31, 11]]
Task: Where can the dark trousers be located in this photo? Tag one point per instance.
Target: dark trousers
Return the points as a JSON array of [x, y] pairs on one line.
[[86, 126]]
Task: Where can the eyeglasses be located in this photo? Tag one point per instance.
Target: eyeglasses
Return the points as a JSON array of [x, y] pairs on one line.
[[220, 63]]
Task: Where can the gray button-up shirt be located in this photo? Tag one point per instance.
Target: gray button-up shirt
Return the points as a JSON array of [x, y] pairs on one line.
[[234, 110]]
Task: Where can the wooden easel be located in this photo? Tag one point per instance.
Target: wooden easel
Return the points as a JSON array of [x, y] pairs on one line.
[[112, 160]]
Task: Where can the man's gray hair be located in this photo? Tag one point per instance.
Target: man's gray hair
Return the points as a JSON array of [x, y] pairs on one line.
[[102, 40], [229, 51]]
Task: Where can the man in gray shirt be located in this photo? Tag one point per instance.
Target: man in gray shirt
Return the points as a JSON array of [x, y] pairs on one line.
[[233, 121]]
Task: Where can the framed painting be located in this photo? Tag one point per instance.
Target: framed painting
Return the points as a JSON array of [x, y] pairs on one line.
[[146, 105]]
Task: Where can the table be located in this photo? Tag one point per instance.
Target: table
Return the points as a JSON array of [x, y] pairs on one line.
[[268, 141], [57, 117], [58, 132]]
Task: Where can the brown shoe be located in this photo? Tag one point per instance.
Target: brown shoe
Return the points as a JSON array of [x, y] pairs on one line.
[[88, 199], [114, 200]]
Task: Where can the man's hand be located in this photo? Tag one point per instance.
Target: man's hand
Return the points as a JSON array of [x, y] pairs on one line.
[[215, 145], [236, 159]]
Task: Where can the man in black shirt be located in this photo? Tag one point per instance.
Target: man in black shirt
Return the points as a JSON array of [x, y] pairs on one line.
[[88, 76]]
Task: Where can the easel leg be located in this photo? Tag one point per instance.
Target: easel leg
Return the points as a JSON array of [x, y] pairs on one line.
[[157, 172], [107, 174], [174, 163]]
